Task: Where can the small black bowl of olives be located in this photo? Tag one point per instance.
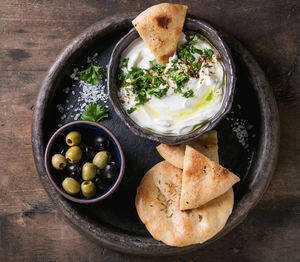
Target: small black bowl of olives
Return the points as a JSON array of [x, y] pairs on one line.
[[84, 161]]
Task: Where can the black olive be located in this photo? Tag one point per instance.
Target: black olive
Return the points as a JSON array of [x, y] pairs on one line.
[[74, 170], [111, 167], [64, 150], [108, 176], [74, 175], [100, 183], [101, 142], [90, 152], [110, 171]]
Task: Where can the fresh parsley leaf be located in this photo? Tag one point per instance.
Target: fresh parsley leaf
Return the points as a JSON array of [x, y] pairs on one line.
[[191, 38], [185, 53], [208, 53], [143, 82], [174, 62], [157, 68], [195, 68], [161, 92], [121, 76], [125, 62], [188, 94], [92, 74], [196, 50], [94, 112], [197, 65], [180, 77], [121, 73], [132, 109], [188, 49]]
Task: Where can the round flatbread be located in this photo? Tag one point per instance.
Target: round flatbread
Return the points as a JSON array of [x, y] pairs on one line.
[[157, 203]]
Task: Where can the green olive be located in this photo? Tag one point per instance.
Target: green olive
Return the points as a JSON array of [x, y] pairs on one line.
[[73, 138], [74, 154], [71, 186], [88, 189], [58, 161], [98, 171], [89, 171], [101, 158]]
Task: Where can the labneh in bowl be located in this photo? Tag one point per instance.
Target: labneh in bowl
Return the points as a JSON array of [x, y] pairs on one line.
[[87, 130], [215, 39]]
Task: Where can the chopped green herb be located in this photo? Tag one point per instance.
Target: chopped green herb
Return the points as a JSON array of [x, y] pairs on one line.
[[157, 67], [185, 53], [210, 96], [188, 49], [191, 38], [197, 51], [125, 62], [188, 94], [121, 76], [161, 92], [144, 83], [132, 109], [92, 74], [180, 76], [197, 65], [208, 53], [94, 112]]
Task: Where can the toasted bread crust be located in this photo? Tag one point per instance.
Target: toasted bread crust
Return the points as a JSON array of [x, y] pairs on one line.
[[160, 27]]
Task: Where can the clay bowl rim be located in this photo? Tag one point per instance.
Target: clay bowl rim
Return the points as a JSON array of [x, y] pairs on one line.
[[118, 148], [230, 73]]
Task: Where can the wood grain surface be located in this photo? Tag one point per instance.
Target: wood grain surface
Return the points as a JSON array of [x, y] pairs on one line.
[[32, 33]]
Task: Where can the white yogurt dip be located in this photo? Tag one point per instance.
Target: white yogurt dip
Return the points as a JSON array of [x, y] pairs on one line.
[[177, 111]]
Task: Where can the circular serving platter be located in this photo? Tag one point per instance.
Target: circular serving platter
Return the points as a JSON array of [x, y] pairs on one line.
[[248, 141]]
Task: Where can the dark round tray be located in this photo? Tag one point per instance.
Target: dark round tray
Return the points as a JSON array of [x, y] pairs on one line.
[[114, 221]]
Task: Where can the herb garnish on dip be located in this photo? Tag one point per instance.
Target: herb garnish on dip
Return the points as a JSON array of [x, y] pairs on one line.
[[175, 98]]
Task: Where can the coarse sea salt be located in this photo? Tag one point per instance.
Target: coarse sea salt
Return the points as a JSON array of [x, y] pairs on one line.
[[240, 127], [84, 95], [92, 93]]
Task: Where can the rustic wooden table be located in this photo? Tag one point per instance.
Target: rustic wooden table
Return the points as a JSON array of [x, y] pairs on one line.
[[31, 35]]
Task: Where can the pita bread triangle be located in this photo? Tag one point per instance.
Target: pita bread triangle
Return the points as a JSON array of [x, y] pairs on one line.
[[203, 180], [160, 27], [207, 144]]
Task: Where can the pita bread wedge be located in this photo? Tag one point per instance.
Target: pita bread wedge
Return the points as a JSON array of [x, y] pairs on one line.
[[203, 180], [157, 204], [160, 27], [207, 144]]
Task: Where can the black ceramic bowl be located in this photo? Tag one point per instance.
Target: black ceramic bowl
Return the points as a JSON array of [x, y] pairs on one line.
[[87, 129], [214, 37]]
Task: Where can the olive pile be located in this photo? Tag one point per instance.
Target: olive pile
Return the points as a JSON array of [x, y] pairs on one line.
[[88, 168]]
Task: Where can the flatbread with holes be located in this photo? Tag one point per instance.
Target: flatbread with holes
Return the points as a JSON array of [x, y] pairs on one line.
[[160, 27], [157, 203], [207, 144], [203, 180]]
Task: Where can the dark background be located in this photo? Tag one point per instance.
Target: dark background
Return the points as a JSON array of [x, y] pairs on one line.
[[32, 33]]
